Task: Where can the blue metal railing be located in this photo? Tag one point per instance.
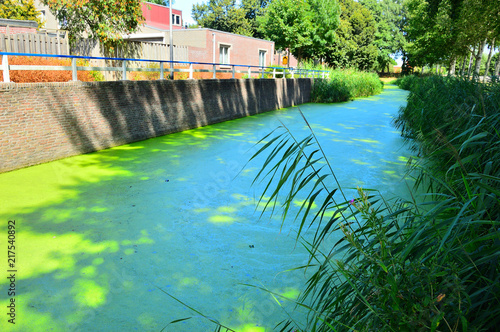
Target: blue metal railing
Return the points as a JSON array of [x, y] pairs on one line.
[[292, 72]]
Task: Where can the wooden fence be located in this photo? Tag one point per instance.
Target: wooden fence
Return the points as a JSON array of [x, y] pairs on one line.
[[57, 43], [134, 50], [39, 43]]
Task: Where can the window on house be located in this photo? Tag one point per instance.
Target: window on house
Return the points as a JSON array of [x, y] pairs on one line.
[[176, 19], [262, 58], [224, 54]]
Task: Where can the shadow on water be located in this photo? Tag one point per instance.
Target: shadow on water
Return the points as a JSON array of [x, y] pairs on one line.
[[97, 233]]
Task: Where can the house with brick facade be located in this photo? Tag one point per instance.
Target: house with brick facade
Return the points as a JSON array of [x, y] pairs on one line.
[[214, 46], [204, 45]]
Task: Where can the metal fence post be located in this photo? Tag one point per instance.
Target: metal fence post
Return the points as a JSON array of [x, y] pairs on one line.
[[74, 73], [124, 70], [233, 71], [190, 71], [5, 65], [213, 69], [293, 73], [262, 70], [162, 71], [284, 73], [249, 72], [274, 72]]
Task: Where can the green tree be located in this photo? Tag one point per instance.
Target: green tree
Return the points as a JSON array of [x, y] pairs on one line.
[[254, 9], [289, 24], [442, 31], [222, 15], [306, 28], [161, 2], [102, 20], [20, 10], [354, 46], [389, 35], [325, 20]]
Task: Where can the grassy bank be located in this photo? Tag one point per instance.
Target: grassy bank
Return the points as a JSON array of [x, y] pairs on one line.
[[344, 85], [403, 265]]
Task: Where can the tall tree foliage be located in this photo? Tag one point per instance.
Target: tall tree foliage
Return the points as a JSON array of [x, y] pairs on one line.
[[325, 20], [160, 2], [20, 10], [102, 20], [306, 28], [227, 15], [253, 10], [390, 19], [288, 24], [446, 30], [354, 45]]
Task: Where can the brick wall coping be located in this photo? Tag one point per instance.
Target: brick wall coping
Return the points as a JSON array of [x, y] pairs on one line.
[[29, 86], [18, 23]]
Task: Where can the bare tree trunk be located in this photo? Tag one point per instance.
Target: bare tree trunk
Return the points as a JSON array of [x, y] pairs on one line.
[[470, 62], [497, 67], [487, 68], [462, 70], [479, 57], [453, 64]]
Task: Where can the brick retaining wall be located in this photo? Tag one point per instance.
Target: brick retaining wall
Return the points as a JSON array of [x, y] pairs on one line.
[[41, 122]]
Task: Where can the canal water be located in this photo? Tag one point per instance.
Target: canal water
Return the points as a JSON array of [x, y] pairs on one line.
[[101, 238]]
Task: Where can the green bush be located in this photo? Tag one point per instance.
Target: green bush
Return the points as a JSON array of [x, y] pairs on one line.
[[344, 85], [406, 82]]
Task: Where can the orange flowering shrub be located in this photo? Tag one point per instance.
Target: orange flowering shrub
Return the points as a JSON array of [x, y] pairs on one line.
[[37, 76]]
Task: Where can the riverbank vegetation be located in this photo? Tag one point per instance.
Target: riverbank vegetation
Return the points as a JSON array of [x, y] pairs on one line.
[[344, 85], [428, 263]]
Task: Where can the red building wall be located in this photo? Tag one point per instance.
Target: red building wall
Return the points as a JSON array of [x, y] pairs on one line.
[[159, 17], [242, 50]]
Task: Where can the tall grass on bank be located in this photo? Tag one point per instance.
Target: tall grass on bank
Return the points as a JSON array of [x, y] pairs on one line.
[[454, 124], [401, 265], [344, 85]]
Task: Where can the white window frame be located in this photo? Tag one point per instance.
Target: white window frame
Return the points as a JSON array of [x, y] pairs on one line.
[[174, 19], [262, 50], [228, 54]]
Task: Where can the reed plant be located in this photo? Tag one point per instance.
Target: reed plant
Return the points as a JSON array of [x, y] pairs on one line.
[[344, 85], [405, 265], [398, 265]]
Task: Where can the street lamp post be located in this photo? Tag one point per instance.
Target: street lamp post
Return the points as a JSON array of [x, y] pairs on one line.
[[171, 42]]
